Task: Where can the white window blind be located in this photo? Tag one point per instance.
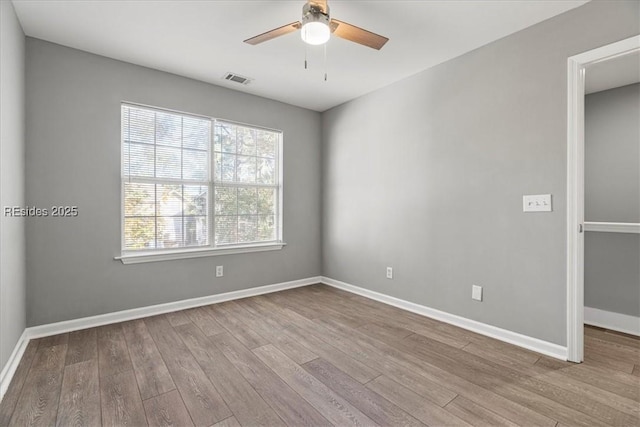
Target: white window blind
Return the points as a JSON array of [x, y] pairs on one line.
[[180, 192]]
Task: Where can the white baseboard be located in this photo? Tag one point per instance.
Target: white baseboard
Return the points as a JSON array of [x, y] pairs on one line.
[[10, 367], [534, 344], [136, 313], [610, 320]]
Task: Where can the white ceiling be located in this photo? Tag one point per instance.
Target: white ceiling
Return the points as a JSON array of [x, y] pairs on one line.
[[620, 71], [203, 39]]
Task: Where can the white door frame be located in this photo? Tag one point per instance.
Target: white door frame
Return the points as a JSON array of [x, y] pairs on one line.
[[575, 186]]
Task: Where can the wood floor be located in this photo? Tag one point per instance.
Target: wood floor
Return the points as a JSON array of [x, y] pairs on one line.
[[314, 356]]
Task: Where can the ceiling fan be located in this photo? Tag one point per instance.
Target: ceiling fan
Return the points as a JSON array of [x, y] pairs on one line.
[[317, 26]]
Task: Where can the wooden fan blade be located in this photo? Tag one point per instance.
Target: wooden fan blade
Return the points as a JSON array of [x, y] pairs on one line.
[[357, 34], [280, 31]]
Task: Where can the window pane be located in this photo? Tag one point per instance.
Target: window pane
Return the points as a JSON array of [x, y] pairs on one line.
[[196, 133], [266, 228], [226, 228], [246, 141], [139, 199], [125, 123], [168, 129], [266, 171], [247, 228], [140, 160], [195, 199], [226, 202], [228, 169], [267, 143], [195, 165], [196, 231], [247, 201], [139, 233], [246, 169], [266, 201], [218, 166], [141, 125], [168, 162], [169, 199], [170, 232], [225, 137]]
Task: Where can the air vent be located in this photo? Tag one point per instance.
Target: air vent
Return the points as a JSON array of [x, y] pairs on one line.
[[237, 78]]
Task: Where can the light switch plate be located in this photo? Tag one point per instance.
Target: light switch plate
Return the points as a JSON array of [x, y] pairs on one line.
[[536, 203]]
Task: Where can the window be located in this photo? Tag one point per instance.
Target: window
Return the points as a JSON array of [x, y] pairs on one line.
[[194, 184]]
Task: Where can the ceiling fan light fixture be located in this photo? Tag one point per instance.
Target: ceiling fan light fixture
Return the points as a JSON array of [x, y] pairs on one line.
[[315, 33]]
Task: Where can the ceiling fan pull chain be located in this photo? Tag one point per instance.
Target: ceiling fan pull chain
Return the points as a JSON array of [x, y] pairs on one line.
[[325, 62], [305, 56]]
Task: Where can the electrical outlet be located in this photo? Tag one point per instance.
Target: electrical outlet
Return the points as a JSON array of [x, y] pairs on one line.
[[219, 271], [389, 273], [476, 292]]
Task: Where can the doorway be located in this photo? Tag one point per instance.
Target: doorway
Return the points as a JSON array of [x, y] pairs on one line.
[[577, 68]]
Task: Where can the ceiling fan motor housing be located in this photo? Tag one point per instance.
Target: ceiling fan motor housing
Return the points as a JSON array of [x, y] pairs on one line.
[[311, 12]]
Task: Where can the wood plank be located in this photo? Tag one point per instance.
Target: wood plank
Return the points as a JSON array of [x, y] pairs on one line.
[[552, 364], [83, 346], [289, 405], [316, 345], [333, 407], [506, 360], [8, 403], [113, 354], [613, 338], [228, 422], [566, 406], [623, 352], [306, 306], [475, 414], [370, 403], [389, 331], [59, 339], [618, 402], [339, 359], [245, 403], [245, 335], [38, 402], [636, 370], [416, 323], [167, 410], [204, 403], [414, 404], [202, 319], [150, 370], [177, 318], [616, 382], [80, 395], [606, 362], [121, 403], [264, 325]]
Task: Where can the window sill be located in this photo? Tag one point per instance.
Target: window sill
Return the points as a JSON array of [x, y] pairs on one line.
[[140, 257]]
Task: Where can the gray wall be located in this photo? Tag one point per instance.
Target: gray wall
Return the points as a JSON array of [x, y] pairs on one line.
[[612, 194], [427, 176], [73, 158], [12, 142]]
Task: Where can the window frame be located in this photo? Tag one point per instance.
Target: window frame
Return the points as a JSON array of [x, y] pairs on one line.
[[134, 256]]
